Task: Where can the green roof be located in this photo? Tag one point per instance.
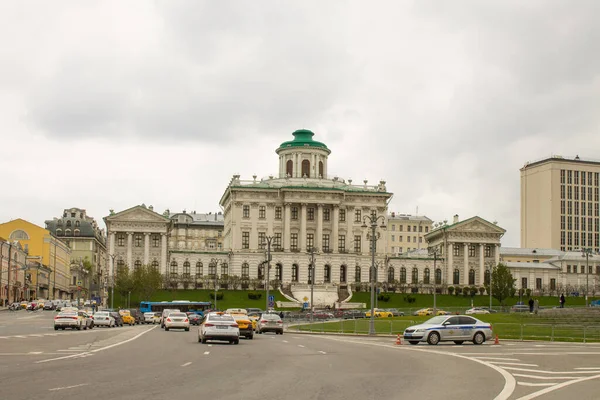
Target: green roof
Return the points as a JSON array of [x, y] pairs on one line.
[[302, 138]]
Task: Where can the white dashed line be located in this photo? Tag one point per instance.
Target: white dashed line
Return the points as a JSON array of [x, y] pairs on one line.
[[322, 352], [68, 387], [499, 358], [536, 384], [285, 341], [206, 353], [186, 364], [300, 345], [511, 363], [35, 352], [547, 378], [593, 368], [210, 345]]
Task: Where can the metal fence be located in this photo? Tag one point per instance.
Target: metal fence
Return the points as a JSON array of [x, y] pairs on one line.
[[514, 331]]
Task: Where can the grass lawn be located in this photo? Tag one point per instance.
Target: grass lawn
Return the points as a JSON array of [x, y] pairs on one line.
[[231, 299], [506, 326]]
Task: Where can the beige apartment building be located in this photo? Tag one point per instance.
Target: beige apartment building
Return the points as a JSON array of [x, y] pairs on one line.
[[560, 204], [406, 232]]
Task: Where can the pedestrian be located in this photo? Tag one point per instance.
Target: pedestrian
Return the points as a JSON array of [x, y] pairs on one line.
[[281, 314], [531, 305], [536, 306], [562, 300]]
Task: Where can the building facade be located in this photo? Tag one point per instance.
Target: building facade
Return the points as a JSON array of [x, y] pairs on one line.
[[406, 232], [51, 276], [560, 204], [300, 210], [13, 272], [87, 242]]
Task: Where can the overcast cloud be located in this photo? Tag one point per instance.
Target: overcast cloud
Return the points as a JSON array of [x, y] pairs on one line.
[[106, 105]]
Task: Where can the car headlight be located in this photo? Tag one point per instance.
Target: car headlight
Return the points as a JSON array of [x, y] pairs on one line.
[[419, 330]]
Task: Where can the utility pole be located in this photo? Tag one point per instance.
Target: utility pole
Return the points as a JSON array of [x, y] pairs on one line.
[[434, 251], [269, 239], [8, 280], [54, 274], [312, 283], [112, 286], [587, 253]]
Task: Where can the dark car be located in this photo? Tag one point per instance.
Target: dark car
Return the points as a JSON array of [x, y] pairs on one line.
[[49, 306], [117, 317], [353, 314], [194, 318], [137, 315]]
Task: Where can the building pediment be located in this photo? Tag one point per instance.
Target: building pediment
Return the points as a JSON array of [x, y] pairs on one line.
[[476, 225], [137, 214]]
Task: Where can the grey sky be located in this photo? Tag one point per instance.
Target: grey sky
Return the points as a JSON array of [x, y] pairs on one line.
[[111, 104]]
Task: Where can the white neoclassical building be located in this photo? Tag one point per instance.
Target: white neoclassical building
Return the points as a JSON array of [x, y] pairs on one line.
[[299, 209]]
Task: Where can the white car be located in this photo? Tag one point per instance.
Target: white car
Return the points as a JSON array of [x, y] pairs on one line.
[[177, 320], [103, 318], [270, 323], [74, 320], [219, 326], [446, 328], [166, 312], [151, 318], [476, 310]]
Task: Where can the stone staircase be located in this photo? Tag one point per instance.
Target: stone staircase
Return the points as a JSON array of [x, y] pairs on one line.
[[323, 295]]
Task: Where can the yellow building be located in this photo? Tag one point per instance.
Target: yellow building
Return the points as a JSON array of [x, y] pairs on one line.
[[406, 232], [52, 279]]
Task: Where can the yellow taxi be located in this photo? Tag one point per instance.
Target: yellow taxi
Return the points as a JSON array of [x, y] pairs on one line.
[[127, 318], [237, 312], [23, 305], [380, 313], [254, 317], [429, 311]]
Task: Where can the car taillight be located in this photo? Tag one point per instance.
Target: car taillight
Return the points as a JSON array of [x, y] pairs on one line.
[[73, 317], [56, 317], [263, 321], [280, 322], [168, 319], [106, 318], [186, 320], [209, 325], [234, 325]]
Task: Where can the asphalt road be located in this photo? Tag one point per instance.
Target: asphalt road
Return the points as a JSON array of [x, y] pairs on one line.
[[144, 361]]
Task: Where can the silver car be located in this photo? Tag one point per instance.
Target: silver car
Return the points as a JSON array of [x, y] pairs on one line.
[[449, 328], [219, 326]]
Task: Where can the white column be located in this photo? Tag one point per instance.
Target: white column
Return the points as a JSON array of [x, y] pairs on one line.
[[333, 244], [287, 210], [270, 218], [111, 251], [465, 277], [163, 253], [450, 268], [349, 233], [146, 248], [302, 241], [297, 172], [319, 216], [481, 265], [129, 249], [497, 254]]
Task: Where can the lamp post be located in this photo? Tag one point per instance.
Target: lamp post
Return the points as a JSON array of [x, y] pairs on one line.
[[215, 262], [268, 239], [374, 235], [587, 253], [311, 269], [491, 269], [112, 286], [434, 251]]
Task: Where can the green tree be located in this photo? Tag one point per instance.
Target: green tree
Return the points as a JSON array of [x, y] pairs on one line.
[[503, 283], [147, 280], [124, 283]]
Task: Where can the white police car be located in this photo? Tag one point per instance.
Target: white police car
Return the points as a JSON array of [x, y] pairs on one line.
[[449, 328]]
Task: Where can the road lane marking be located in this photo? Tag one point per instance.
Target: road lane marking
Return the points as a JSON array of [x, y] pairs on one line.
[[322, 352], [36, 335], [588, 368], [68, 387], [511, 363], [71, 351], [186, 364], [547, 378], [210, 345], [300, 345], [536, 384], [498, 358], [549, 372], [555, 387], [206, 353], [35, 352], [285, 341]]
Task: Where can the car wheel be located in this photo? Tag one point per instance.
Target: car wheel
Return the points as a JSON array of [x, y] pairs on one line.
[[259, 332], [413, 342], [433, 338], [56, 328], [199, 339], [166, 329], [237, 341], [187, 329], [478, 338], [459, 342], [203, 340], [78, 327], [92, 326], [251, 337]]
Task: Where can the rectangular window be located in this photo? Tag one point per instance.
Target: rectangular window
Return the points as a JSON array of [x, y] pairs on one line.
[[246, 211], [538, 283], [278, 212], [576, 238], [357, 244], [277, 241], [562, 222], [456, 250], [414, 239], [310, 240], [552, 284], [357, 215], [120, 240], [596, 175], [562, 176], [569, 240], [420, 239], [420, 228], [245, 240], [326, 242], [295, 213], [576, 177], [294, 241], [582, 193], [569, 177], [570, 192], [262, 240], [262, 212], [471, 250], [524, 283], [342, 243], [399, 238], [595, 209], [155, 241], [589, 209], [488, 251], [326, 214], [569, 207], [311, 214], [401, 227], [576, 190], [570, 223], [393, 227], [562, 206], [583, 178], [426, 229], [138, 240], [342, 215], [589, 193], [576, 223], [582, 208]]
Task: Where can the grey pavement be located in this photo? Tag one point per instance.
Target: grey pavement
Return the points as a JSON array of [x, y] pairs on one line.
[[144, 361]]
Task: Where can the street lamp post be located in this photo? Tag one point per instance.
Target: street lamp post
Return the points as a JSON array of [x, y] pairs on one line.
[[112, 286], [311, 269], [491, 273], [373, 236], [587, 253], [434, 251], [268, 239]]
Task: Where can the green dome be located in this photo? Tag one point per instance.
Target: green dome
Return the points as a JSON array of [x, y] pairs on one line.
[[302, 138]]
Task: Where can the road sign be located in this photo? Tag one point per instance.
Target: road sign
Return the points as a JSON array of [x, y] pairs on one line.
[[305, 305], [271, 304], [79, 283], [305, 298], [271, 299]]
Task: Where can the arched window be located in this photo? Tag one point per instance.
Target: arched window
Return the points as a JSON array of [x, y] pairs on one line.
[[391, 275], [59, 222], [120, 264], [294, 272], [245, 271], [261, 271], [173, 270], [67, 232], [343, 273], [310, 273], [305, 168], [327, 274], [471, 277], [456, 277], [19, 235], [487, 277], [77, 224], [289, 168], [68, 224], [402, 275], [137, 264], [438, 276], [59, 232], [426, 276], [357, 274], [154, 264], [415, 275], [199, 269], [186, 269], [76, 232], [224, 270], [279, 272], [321, 170]]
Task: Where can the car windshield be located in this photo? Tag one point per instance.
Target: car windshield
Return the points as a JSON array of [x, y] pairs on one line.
[[178, 315], [220, 318], [101, 314], [271, 316], [435, 320]]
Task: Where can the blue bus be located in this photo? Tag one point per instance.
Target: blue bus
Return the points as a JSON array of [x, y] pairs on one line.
[[182, 305]]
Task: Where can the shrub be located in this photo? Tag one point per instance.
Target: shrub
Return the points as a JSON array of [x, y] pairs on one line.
[[481, 290], [465, 291], [254, 295], [472, 291], [220, 295], [410, 299], [383, 297], [450, 289]]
